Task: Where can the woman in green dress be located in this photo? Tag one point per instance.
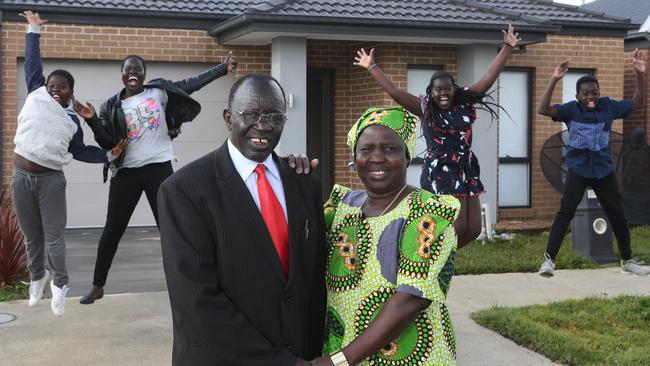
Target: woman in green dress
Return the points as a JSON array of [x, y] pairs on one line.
[[391, 255]]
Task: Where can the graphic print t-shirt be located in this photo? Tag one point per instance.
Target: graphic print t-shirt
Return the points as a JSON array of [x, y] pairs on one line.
[[146, 129]]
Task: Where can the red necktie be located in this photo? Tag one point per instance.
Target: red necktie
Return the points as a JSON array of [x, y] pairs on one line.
[[273, 215]]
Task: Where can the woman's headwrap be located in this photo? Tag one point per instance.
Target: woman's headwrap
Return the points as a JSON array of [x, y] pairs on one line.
[[397, 119]]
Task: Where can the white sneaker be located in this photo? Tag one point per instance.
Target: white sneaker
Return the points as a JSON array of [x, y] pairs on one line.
[[58, 298], [634, 266], [36, 289], [547, 267]]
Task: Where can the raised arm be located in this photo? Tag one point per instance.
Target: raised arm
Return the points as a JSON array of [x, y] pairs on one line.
[[510, 41], [33, 67], [410, 102], [638, 64], [196, 82], [545, 108]]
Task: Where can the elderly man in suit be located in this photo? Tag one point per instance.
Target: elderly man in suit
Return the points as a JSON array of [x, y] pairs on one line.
[[243, 244]]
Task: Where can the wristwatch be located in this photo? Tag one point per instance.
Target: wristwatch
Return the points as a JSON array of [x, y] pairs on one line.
[[338, 359]]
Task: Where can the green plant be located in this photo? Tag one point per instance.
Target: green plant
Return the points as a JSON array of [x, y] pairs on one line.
[[17, 291], [13, 261]]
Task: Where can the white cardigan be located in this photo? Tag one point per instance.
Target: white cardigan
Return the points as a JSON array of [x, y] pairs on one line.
[[44, 131]]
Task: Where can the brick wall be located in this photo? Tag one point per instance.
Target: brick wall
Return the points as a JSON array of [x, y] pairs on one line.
[[356, 90], [82, 42], [603, 54]]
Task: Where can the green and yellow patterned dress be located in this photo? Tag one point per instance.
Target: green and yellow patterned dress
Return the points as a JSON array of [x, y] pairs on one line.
[[409, 249]]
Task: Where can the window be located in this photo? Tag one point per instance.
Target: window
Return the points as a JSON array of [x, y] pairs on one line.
[[417, 81], [515, 137]]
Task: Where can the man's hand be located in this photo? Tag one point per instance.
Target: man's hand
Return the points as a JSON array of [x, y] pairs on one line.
[[32, 18], [639, 60], [300, 163], [510, 37], [87, 111], [119, 148], [230, 63], [364, 59], [561, 70]]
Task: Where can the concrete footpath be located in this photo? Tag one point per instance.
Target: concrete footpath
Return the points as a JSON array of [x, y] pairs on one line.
[[134, 328]]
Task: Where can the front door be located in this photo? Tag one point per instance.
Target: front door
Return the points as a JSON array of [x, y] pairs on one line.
[[320, 120]]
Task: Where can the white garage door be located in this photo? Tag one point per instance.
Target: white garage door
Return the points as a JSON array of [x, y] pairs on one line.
[[95, 81]]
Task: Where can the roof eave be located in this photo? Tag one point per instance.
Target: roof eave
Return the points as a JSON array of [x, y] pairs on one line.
[[597, 29], [233, 28], [637, 40], [118, 17]]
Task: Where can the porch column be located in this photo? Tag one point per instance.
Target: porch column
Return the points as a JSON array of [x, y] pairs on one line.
[[472, 62], [289, 67]]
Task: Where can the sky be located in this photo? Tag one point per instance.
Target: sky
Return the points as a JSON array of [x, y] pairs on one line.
[[573, 2]]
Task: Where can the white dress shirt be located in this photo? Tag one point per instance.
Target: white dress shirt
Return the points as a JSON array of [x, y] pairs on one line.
[[246, 169]]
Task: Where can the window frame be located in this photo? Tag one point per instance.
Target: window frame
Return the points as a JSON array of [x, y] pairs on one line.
[[529, 139]]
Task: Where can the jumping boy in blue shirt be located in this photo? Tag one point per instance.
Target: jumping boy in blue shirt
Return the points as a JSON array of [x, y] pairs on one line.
[[589, 120]]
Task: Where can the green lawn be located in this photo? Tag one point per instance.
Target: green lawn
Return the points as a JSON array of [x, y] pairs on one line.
[[592, 331], [16, 292], [525, 254]]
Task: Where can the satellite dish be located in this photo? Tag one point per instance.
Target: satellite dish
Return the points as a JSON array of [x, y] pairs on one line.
[[554, 150], [631, 159]]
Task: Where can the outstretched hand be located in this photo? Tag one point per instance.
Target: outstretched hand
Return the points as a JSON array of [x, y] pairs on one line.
[[364, 59], [510, 37], [32, 18], [87, 111], [119, 148], [639, 59], [561, 70], [230, 63]]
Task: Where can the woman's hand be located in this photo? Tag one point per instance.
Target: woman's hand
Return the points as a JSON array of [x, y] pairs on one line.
[[639, 60], [119, 148], [300, 163], [230, 63], [85, 111], [32, 18], [511, 38], [365, 60], [561, 70]]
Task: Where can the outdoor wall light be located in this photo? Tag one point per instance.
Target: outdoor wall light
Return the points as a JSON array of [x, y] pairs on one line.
[[600, 226]]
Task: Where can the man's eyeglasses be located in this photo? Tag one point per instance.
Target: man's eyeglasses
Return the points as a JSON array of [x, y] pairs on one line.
[[254, 117]]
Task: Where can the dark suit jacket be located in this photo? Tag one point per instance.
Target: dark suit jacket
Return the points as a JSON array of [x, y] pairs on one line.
[[231, 301]]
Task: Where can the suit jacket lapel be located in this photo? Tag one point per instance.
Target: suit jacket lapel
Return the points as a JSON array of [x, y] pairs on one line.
[[294, 213], [234, 190]]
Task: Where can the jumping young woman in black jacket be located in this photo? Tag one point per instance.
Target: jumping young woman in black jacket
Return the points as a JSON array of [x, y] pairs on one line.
[[149, 116]]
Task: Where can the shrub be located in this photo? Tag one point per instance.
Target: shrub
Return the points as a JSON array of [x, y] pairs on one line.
[[13, 261]]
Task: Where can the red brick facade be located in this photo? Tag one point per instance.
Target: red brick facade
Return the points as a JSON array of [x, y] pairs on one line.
[[355, 90]]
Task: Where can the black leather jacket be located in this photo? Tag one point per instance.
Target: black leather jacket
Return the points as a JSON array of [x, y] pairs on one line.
[[110, 127]]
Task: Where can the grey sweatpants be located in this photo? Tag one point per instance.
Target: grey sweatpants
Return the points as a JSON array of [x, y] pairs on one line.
[[39, 200]]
